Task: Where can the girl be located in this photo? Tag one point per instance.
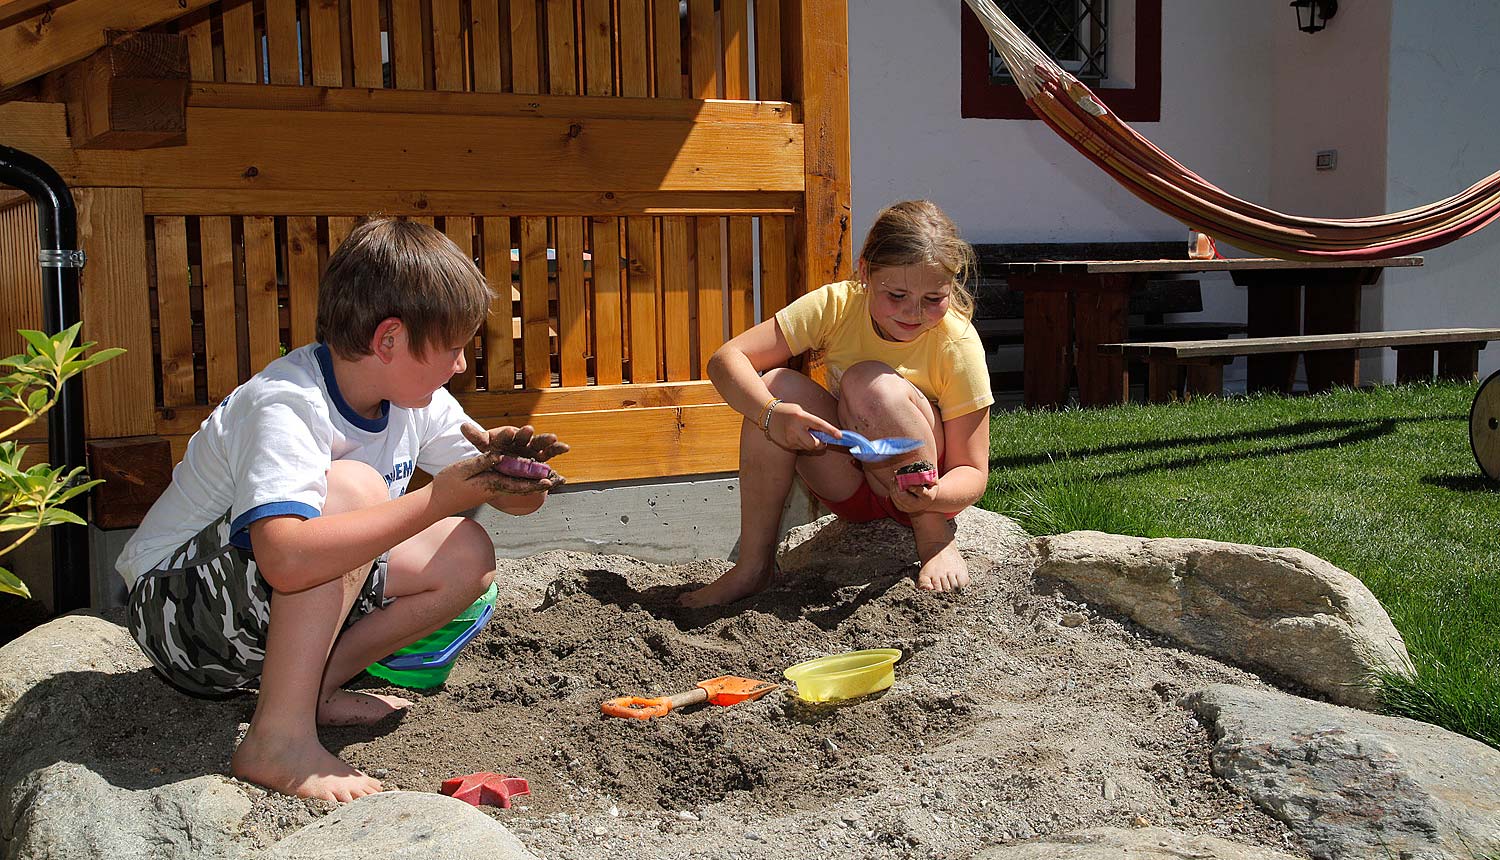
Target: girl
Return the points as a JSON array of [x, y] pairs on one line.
[[902, 360]]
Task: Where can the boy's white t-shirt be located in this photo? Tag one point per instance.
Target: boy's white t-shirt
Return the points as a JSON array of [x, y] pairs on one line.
[[265, 451]]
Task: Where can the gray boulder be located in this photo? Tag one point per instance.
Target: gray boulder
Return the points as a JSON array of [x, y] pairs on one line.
[[1283, 612], [1352, 784], [1145, 843], [403, 825]]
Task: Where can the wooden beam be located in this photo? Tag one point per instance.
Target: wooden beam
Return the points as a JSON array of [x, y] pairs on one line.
[[135, 471], [301, 150], [55, 36], [116, 311], [131, 94], [241, 201], [817, 39]]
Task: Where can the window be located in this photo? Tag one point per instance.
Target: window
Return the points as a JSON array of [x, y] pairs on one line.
[[1076, 33]]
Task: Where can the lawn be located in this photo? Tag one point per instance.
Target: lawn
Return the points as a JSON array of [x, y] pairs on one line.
[[1380, 482]]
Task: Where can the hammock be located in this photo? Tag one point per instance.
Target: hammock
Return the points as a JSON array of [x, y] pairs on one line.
[[1075, 113]]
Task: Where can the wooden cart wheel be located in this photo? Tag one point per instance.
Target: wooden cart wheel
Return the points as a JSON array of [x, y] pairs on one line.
[[1484, 427]]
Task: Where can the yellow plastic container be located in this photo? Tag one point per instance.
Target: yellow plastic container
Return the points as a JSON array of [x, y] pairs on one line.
[[844, 676]]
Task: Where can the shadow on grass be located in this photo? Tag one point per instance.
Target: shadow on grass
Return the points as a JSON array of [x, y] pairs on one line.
[[1474, 483], [1354, 432]]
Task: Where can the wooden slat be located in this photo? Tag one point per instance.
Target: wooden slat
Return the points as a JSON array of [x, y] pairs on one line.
[[667, 48], [326, 99], [116, 311], [677, 275], [571, 302], [741, 274], [641, 274], [608, 348], [263, 317], [709, 271], [458, 154], [536, 362], [323, 31], [220, 332], [240, 43], [484, 30], [736, 22], [775, 265], [21, 280], [821, 77], [64, 33], [406, 44], [302, 277], [339, 229], [239, 201], [635, 54], [449, 58], [598, 45], [768, 37], [499, 343], [200, 41], [705, 55], [461, 231], [526, 61], [364, 28], [173, 312], [562, 59], [282, 37]]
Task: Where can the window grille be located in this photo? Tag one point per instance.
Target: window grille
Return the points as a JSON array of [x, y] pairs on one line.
[[1074, 32]]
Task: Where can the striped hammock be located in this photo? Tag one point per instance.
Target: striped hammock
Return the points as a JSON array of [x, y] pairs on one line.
[[1074, 112]]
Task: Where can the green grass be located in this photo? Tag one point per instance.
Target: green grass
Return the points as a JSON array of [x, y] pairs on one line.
[[1380, 482]]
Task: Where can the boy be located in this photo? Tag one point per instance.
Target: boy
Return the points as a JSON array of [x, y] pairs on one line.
[[286, 554]]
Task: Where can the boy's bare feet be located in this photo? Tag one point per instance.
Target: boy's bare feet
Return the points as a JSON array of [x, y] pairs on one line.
[[352, 708], [301, 768], [946, 571], [737, 583]]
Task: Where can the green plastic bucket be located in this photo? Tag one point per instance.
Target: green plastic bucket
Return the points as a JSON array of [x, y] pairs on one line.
[[426, 663]]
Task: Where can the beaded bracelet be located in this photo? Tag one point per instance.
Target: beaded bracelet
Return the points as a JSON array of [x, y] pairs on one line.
[[765, 420]]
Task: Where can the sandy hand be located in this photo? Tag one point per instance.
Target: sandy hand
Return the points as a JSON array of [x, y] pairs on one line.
[[521, 454]]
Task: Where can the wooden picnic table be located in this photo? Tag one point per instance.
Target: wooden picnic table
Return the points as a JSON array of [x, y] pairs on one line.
[[1072, 306]]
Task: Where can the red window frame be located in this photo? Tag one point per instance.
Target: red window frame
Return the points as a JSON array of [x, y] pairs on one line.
[[1140, 103]]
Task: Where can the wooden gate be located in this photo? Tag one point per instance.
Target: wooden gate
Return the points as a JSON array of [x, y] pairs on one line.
[[638, 179]]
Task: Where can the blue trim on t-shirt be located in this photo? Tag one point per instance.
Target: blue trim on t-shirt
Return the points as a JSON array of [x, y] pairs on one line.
[[239, 530], [372, 425]]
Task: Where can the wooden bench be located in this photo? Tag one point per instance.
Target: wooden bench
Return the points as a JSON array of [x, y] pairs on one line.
[[1186, 367]]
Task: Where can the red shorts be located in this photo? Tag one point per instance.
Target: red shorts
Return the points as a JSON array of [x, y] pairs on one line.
[[867, 506]]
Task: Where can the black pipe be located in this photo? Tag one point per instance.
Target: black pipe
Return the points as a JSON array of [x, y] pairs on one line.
[[60, 259]]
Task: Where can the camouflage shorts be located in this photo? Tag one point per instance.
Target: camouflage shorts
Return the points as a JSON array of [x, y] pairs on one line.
[[201, 616]]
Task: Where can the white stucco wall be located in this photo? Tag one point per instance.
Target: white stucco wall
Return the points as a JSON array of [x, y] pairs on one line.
[[1444, 135]]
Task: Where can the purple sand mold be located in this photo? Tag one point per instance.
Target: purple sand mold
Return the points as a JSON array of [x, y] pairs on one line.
[[520, 467]]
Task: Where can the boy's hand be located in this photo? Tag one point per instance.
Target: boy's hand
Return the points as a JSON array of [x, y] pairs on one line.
[[519, 454], [469, 483]]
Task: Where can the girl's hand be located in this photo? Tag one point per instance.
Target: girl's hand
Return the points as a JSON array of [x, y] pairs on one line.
[[914, 500], [792, 426]]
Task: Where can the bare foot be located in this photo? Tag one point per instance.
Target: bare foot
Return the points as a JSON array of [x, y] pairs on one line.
[[301, 768], [350, 708], [945, 571], [737, 583]]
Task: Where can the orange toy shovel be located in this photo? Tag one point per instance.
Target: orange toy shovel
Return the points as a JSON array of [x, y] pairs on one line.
[[724, 690]]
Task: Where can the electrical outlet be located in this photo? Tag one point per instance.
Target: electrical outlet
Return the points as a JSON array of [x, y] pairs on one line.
[[1328, 159]]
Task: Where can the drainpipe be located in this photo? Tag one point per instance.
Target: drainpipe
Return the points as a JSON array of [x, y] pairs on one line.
[[60, 259]]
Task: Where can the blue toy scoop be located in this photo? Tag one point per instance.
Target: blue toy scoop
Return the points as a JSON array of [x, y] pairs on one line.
[[870, 450]]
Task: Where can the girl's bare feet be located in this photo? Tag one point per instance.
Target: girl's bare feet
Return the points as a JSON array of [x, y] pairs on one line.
[[945, 571], [351, 708], [299, 767], [737, 583]]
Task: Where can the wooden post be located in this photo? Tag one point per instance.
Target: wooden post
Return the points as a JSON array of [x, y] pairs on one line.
[[1274, 308], [1047, 338], [1459, 361], [817, 69], [116, 312], [1331, 306], [1099, 316], [1414, 363], [130, 95]]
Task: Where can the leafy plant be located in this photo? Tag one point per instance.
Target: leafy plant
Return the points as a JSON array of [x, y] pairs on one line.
[[32, 499]]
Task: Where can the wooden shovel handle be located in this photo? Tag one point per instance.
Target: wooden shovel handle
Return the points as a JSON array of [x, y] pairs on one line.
[[640, 708]]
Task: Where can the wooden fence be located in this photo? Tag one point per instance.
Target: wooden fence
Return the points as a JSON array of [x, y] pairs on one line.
[[638, 183]]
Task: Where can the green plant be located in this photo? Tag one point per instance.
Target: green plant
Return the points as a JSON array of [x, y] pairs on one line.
[[32, 499]]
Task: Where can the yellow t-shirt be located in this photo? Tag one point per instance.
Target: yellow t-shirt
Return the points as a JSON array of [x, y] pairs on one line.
[[946, 363]]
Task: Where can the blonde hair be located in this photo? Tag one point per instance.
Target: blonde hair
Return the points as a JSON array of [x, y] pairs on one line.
[[390, 267], [917, 232]]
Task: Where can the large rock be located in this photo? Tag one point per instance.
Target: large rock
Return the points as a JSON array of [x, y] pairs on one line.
[[1356, 785], [81, 643], [403, 825], [1284, 612], [1117, 843], [830, 544]]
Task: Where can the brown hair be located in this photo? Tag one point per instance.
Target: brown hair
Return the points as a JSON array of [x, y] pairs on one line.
[[390, 267], [915, 232]]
